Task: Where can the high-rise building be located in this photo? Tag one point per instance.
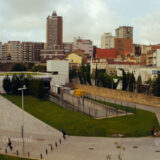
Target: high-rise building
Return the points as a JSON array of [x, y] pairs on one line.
[[124, 32], [38, 46], [14, 51], [28, 51], [82, 44], [54, 39], [54, 31], [107, 41]]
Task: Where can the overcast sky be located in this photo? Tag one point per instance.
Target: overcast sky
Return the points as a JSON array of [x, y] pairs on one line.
[[25, 20]]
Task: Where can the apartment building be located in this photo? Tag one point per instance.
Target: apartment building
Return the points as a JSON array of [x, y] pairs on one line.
[[107, 41], [38, 46], [28, 51], [125, 32], [14, 51], [83, 44]]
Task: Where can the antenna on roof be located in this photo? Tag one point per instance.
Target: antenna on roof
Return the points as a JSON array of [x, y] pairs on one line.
[[54, 13]]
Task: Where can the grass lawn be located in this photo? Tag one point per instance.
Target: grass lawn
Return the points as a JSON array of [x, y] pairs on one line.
[[4, 157], [25, 73], [75, 123]]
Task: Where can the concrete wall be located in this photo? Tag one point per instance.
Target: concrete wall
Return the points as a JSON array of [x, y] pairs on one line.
[[120, 95]]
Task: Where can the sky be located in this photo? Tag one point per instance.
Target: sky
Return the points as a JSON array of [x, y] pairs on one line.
[[25, 20]]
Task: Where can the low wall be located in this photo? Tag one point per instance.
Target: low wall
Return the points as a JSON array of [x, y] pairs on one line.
[[120, 95], [92, 108]]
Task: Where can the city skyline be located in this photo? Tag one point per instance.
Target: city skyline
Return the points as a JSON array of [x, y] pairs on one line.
[[25, 22]]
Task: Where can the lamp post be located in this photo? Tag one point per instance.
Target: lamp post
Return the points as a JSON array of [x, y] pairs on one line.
[[22, 127]]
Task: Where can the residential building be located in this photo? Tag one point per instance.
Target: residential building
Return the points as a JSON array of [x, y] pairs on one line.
[[149, 61], [107, 41], [4, 53], [14, 51], [106, 53], [83, 44], [124, 47], [145, 49], [156, 58], [77, 57], [38, 46], [54, 31], [54, 39], [125, 32], [28, 51], [67, 47]]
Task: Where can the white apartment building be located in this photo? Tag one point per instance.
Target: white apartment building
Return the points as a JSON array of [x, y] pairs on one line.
[[82, 44], [107, 41]]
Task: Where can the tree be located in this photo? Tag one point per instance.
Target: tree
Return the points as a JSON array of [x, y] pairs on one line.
[[124, 80], [7, 84], [156, 86], [72, 74], [131, 83], [88, 76], [139, 84], [16, 83], [19, 67], [96, 76]]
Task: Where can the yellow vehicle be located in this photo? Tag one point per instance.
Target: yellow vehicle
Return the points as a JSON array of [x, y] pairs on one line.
[[79, 93]]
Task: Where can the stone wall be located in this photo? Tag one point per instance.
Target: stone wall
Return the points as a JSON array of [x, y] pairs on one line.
[[120, 95]]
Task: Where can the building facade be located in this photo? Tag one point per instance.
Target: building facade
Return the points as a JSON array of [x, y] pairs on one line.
[[85, 45], [67, 47], [107, 41], [54, 38], [124, 47], [124, 32], [54, 31], [28, 51], [38, 46], [14, 51]]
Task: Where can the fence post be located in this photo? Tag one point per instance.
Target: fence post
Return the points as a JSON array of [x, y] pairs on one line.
[[6, 151]]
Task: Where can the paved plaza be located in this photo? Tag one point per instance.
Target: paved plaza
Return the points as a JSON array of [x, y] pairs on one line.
[[39, 137]]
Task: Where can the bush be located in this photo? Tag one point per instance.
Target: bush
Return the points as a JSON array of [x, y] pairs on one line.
[[7, 84], [19, 67]]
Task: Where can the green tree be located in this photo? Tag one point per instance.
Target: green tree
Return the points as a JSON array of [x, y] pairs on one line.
[[7, 84], [139, 84], [156, 86], [131, 83], [16, 83], [124, 80], [96, 76]]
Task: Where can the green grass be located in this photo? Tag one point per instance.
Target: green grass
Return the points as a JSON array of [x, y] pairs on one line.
[[5, 157], [25, 73], [75, 123]]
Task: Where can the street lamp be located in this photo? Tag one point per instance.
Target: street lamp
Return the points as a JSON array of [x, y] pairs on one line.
[[22, 127]]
